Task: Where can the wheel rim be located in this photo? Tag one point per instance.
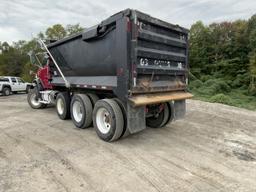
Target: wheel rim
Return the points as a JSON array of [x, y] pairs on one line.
[[60, 106], [7, 92], [77, 111], [34, 100], [103, 120]]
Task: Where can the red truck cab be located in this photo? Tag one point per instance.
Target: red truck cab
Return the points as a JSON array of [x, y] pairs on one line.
[[45, 76]]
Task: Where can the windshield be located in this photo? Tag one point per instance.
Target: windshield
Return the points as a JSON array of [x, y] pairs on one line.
[[21, 80], [38, 59]]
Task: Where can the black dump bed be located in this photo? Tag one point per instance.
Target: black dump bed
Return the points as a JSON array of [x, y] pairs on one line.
[[129, 53]]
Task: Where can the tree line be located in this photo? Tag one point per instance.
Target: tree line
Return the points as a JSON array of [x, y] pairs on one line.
[[225, 50], [223, 62], [14, 59]]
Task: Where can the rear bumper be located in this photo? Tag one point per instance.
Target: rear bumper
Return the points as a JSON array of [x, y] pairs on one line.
[[146, 99]]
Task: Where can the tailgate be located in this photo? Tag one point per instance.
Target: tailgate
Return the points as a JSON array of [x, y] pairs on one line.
[[159, 55]]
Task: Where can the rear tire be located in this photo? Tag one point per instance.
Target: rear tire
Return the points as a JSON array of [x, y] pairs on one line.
[[63, 105], [171, 113], [33, 99], [121, 105], [161, 119], [81, 111], [108, 120], [6, 91], [93, 97]]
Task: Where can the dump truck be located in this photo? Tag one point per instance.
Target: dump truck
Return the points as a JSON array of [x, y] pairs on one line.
[[125, 74]]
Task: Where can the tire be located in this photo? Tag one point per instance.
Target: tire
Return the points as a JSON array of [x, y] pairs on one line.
[[161, 120], [108, 120], [27, 89], [171, 113], [81, 111], [94, 98], [6, 91], [32, 99], [63, 105], [121, 105]]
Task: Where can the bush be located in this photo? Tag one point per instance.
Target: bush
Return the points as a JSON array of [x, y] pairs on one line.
[[195, 84], [252, 91], [210, 82], [222, 86], [205, 77], [241, 80], [221, 98], [214, 86]]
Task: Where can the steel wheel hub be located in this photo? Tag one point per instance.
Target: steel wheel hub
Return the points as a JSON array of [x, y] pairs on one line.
[[77, 111], [34, 100], [60, 106], [7, 92], [103, 120]]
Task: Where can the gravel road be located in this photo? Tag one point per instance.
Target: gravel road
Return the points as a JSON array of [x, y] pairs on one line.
[[212, 149]]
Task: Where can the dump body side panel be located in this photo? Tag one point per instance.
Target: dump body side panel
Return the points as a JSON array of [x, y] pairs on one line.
[[96, 58]]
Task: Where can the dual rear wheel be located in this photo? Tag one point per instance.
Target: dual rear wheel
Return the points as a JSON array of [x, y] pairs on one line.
[[81, 111], [106, 114], [108, 119], [62, 105], [162, 115]]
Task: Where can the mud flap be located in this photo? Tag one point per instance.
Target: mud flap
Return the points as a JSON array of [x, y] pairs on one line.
[[179, 109], [136, 118]]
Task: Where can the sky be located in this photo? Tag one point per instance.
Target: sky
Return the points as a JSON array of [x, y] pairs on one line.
[[23, 19]]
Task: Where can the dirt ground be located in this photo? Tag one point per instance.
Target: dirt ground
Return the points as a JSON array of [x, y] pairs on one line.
[[212, 149]]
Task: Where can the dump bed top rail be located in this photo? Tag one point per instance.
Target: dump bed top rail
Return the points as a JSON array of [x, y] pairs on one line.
[[126, 12]]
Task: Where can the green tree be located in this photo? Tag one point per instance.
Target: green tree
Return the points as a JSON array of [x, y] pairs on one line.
[[199, 45], [41, 35], [253, 71], [5, 47], [73, 29], [57, 32], [14, 59], [27, 71], [252, 39]]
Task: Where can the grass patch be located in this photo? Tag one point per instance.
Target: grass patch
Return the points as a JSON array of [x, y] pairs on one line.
[[221, 98], [218, 91]]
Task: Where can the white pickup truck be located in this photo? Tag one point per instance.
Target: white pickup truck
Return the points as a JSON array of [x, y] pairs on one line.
[[10, 85]]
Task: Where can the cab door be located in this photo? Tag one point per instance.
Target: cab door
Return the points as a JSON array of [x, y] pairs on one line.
[[14, 84], [22, 84]]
